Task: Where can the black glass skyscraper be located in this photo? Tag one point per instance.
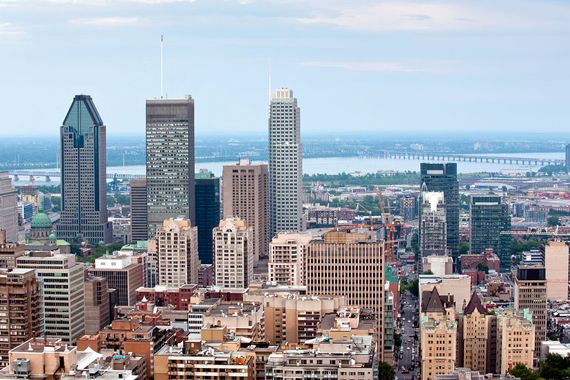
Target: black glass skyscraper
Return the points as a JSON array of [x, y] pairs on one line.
[[489, 217], [443, 177], [207, 190], [83, 175]]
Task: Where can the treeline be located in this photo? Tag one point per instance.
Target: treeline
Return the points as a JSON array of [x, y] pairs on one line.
[[555, 367], [368, 180]]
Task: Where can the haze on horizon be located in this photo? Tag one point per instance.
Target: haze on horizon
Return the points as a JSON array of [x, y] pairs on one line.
[[362, 65]]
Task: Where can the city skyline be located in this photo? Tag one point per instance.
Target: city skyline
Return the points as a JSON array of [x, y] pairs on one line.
[[454, 64]]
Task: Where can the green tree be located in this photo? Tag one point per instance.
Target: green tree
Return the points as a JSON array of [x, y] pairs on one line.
[[482, 268], [553, 221], [427, 272], [522, 371], [386, 371], [463, 248]]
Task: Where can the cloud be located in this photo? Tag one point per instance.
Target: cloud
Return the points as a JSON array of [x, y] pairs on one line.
[[106, 21], [386, 66], [9, 30], [438, 16]]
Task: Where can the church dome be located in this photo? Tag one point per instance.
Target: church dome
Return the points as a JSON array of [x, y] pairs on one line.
[[41, 220]]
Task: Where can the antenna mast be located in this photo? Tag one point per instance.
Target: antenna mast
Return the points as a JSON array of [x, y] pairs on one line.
[[161, 66]]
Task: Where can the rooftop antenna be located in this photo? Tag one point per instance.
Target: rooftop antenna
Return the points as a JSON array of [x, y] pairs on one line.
[[161, 66]]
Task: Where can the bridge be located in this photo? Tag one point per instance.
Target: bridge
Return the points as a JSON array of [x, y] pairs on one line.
[[48, 175], [453, 157]]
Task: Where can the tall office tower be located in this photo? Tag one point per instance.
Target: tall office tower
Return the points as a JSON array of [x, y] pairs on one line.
[[139, 212], [62, 287], [123, 273], [433, 225], [443, 177], [285, 164], [489, 217], [169, 160], [83, 175], [332, 263], [177, 248], [530, 293], [8, 208], [233, 254], [568, 157], [515, 339], [20, 308], [286, 258], [207, 212], [556, 265], [245, 191]]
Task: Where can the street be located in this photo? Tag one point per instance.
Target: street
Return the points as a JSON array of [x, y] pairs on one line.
[[409, 353]]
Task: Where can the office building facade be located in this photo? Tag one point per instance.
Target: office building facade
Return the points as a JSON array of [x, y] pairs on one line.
[[83, 175], [433, 225], [169, 160], [61, 281], [287, 258], [97, 308], [207, 212], [139, 212], [123, 274], [285, 164], [530, 293], [489, 216], [556, 265], [442, 177], [245, 192], [8, 208]]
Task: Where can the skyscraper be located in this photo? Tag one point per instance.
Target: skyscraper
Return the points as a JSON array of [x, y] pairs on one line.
[[443, 178], [83, 175], [169, 160], [245, 190], [207, 212], [489, 217], [433, 225], [530, 293], [62, 293], [233, 250], [556, 265], [139, 212], [330, 268], [8, 208], [285, 164]]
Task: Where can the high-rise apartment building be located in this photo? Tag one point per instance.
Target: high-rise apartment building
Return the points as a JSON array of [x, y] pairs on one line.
[[8, 208], [169, 160], [233, 254], [177, 249], [139, 212], [438, 329], [530, 293], [83, 175], [286, 258], [123, 273], [556, 265], [476, 336], [285, 164], [442, 177], [20, 308], [245, 192], [9, 252], [515, 339], [97, 309], [207, 212], [433, 225], [61, 281], [332, 263], [489, 217]]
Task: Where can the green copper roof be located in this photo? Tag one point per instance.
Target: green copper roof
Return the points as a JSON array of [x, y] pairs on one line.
[[52, 236], [41, 220], [61, 242]]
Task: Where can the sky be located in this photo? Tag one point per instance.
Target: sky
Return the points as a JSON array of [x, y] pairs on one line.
[[356, 66]]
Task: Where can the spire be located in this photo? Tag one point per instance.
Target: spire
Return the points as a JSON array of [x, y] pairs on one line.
[[474, 304]]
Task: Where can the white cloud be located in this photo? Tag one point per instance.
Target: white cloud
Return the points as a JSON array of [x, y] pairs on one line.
[[386, 66], [106, 21], [437, 16], [9, 30]]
